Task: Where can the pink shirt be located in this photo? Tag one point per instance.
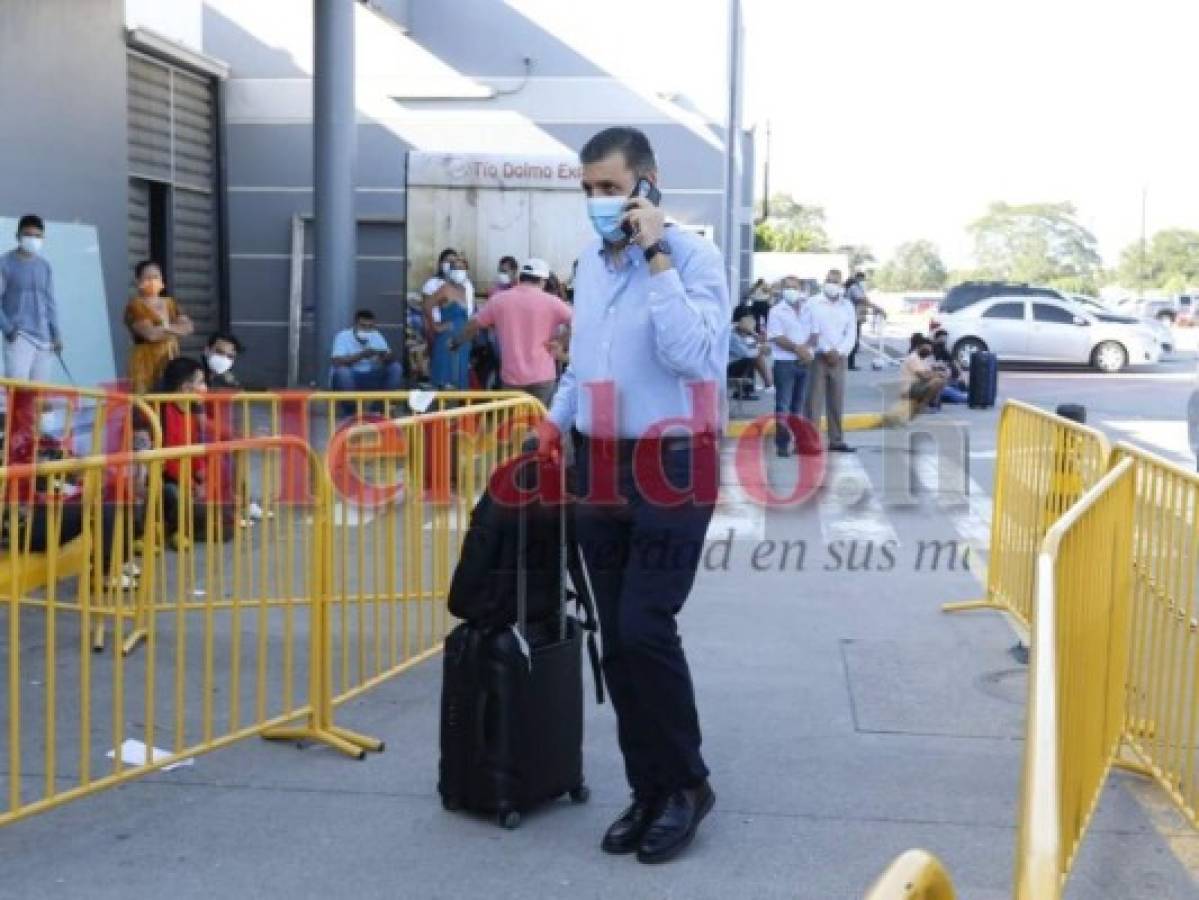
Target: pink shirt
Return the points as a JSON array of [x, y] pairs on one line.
[[524, 318]]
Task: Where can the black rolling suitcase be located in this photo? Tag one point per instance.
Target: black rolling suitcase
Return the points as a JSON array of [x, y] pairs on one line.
[[984, 380], [512, 702]]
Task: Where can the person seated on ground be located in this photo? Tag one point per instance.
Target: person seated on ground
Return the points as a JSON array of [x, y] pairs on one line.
[[943, 362], [362, 360], [744, 352], [155, 323], [45, 503], [919, 384], [193, 481], [220, 354]]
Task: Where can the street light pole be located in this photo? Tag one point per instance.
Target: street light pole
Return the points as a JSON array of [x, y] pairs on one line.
[[766, 177], [333, 138], [731, 231]]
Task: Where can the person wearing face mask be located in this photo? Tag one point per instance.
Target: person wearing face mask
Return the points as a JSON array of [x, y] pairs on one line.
[[28, 308], [642, 401], [220, 354], [449, 366], [362, 360], [919, 382], [505, 276], [790, 329], [836, 326], [155, 324]]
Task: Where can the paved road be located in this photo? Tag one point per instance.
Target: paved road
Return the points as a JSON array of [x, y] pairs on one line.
[[846, 720]]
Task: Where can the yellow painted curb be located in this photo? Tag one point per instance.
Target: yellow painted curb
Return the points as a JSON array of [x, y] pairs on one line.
[[851, 422]]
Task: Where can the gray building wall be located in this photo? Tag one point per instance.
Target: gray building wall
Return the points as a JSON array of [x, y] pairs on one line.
[[64, 153], [269, 165]]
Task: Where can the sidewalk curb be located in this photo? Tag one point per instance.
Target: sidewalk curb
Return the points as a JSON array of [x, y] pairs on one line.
[[850, 422]]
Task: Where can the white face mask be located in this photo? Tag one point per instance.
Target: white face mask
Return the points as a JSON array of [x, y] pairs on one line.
[[30, 244], [791, 295], [833, 291], [458, 276], [503, 278], [219, 363]]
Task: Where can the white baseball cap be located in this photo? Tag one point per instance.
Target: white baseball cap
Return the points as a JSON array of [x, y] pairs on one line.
[[538, 268]]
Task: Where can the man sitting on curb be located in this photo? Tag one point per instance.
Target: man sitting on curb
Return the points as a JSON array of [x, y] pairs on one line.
[[920, 384]]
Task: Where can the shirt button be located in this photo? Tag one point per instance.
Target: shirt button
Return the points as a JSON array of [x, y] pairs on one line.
[[611, 310]]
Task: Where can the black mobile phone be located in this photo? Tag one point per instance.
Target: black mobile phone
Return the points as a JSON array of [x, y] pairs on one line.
[[647, 189]]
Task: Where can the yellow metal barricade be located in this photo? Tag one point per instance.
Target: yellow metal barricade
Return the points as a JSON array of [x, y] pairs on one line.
[[1043, 465], [47, 421], [1163, 673], [234, 616], [1076, 700], [403, 493], [915, 875]]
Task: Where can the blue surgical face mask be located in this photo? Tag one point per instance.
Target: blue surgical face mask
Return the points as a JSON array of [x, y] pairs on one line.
[[605, 214], [30, 244], [791, 295]]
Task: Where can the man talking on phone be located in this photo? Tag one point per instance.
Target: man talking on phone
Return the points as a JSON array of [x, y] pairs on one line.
[[640, 401]]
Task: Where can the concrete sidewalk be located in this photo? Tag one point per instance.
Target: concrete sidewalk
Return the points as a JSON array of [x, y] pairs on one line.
[[846, 719]]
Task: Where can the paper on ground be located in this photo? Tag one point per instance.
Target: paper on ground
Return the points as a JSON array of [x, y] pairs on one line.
[[133, 753]]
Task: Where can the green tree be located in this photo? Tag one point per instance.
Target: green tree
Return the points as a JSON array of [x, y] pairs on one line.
[[1035, 242], [1171, 262], [791, 227], [916, 266], [860, 256]]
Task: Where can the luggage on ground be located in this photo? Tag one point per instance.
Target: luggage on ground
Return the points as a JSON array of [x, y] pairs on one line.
[[984, 380], [512, 691]]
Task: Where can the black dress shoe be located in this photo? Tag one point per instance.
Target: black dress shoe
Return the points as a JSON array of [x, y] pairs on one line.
[[674, 827], [841, 447], [625, 834]]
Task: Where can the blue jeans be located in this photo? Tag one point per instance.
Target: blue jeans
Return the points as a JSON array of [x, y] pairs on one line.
[[389, 377], [789, 378], [952, 394]]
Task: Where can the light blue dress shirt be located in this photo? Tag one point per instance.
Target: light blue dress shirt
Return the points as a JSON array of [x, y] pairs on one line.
[[650, 336], [346, 343]]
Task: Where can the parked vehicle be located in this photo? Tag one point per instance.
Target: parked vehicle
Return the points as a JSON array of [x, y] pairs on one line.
[[966, 294], [1037, 328], [1160, 327]]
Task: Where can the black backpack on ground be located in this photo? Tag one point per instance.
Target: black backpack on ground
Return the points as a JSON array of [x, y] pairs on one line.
[[512, 687]]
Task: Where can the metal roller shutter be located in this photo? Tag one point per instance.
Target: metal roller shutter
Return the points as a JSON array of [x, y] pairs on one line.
[[172, 143], [139, 221]]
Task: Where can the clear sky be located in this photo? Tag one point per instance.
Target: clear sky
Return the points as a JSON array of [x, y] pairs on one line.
[[905, 118]]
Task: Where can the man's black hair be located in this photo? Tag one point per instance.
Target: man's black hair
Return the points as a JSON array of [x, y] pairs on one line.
[[364, 314], [526, 278], [143, 265], [508, 261], [29, 220], [632, 142], [227, 337], [444, 254], [177, 371], [940, 332]]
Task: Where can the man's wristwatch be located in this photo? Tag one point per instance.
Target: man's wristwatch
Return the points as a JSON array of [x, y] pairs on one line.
[[658, 246]]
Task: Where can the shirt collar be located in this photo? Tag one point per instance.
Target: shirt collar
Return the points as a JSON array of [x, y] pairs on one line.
[[634, 259]]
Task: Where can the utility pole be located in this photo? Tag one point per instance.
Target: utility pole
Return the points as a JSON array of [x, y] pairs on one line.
[[731, 230], [334, 134], [766, 177], [1144, 255]]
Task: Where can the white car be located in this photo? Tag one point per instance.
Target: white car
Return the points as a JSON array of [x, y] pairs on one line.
[[1041, 329], [1160, 327]]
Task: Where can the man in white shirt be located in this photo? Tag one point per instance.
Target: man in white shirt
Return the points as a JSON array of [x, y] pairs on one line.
[[836, 326], [790, 332]]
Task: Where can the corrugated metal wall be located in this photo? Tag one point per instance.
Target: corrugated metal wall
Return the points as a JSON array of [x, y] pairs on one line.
[[172, 142]]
